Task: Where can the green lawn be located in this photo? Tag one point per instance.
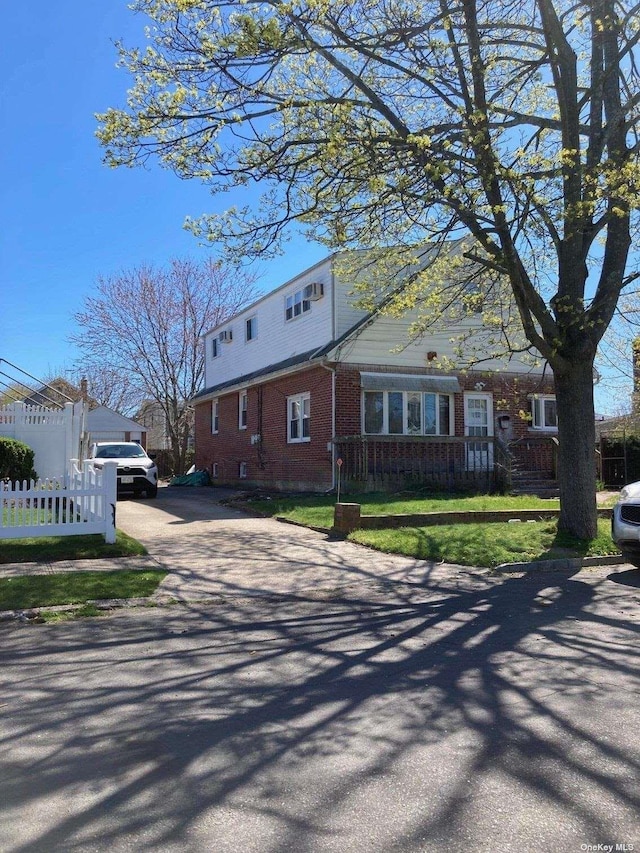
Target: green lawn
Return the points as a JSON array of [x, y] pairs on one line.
[[53, 548], [317, 510], [21, 516], [487, 544], [27, 591], [466, 544]]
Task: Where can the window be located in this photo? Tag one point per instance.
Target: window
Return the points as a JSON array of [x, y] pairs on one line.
[[407, 413], [242, 410], [296, 304], [214, 470], [299, 418], [251, 329], [544, 413], [242, 470], [215, 415], [215, 348]]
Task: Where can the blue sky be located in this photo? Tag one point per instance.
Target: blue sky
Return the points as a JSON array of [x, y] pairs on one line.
[[65, 217]]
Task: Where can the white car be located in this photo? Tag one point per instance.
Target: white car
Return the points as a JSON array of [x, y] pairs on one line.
[[137, 472], [625, 523]]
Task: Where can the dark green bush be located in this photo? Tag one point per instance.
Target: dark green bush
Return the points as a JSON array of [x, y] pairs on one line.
[[16, 460]]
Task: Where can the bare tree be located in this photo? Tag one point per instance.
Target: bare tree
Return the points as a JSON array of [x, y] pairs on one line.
[[142, 332], [385, 121]]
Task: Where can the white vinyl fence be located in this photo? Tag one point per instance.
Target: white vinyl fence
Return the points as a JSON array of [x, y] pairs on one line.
[[84, 501], [55, 435]]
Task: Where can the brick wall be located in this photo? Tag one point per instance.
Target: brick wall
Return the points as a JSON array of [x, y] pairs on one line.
[[270, 461], [273, 462]]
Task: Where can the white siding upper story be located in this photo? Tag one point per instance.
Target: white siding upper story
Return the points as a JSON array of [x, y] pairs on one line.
[[274, 337], [236, 348], [386, 341]]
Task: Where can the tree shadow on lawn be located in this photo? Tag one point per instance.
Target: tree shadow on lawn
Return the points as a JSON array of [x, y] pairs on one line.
[[447, 717]]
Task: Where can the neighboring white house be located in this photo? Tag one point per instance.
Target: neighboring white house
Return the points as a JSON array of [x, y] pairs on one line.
[[104, 424], [151, 415]]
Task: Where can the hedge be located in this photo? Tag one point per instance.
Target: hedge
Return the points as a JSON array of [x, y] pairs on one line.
[[16, 460]]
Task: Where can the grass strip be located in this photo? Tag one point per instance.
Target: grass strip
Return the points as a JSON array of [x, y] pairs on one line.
[[27, 591], [487, 544], [54, 548]]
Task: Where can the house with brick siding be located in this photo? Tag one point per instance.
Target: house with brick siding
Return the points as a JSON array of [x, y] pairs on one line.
[[305, 386]]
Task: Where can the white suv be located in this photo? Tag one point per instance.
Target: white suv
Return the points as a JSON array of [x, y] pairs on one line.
[[137, 472], [625, 523]]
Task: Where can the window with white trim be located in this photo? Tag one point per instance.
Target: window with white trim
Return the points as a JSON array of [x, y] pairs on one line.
[[544, 414], [299, 418], [407, 413], [242, 410], [295, 304], [251, 329], [215, 348], [215, 411]]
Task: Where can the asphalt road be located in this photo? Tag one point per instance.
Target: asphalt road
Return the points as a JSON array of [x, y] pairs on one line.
[[446, 711]]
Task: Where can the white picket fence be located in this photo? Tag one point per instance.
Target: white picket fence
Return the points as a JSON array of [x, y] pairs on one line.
[[84, 501]]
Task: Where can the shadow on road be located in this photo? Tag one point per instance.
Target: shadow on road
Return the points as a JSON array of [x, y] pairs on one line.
[[467, 715]]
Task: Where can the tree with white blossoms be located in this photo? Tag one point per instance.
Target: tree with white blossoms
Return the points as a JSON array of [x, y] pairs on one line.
[[145, 325], [386, 122]]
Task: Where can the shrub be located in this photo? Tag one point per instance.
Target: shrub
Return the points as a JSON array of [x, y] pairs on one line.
[[16, 460]]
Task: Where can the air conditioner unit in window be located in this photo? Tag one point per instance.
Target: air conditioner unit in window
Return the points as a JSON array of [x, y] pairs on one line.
[[226, 336], [314, 291]]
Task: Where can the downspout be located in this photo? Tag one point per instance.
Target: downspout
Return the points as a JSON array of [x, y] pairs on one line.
[[332, 371]]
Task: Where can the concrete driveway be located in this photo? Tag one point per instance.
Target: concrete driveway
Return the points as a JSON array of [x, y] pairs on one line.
[[320, 698], [212, 550]]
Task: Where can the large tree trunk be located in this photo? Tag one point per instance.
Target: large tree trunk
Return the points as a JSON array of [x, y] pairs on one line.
[[576, 453]]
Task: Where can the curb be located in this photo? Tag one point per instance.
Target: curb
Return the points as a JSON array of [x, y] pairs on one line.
[[568, 564]]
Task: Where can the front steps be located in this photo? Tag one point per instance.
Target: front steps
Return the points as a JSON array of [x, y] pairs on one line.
[[534, 483]]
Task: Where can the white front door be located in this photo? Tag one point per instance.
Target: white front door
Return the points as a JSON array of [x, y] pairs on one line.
[[478, 421]]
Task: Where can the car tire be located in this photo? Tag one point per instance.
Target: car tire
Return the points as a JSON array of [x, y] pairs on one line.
[[152, 491], [633, 559]]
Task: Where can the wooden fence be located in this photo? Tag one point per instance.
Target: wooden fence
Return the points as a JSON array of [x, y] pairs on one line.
[[82, 502]]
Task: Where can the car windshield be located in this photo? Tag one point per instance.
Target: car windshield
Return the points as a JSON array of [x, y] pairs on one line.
[[119, 451]]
